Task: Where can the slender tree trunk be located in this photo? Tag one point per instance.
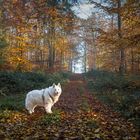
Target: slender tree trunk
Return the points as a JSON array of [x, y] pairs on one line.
[[70, 62], [61, 65], [51, 45], [94, 49], [50, 59], [114, 53], [122, 51], [132, 60], [85, 58], [138, 65]]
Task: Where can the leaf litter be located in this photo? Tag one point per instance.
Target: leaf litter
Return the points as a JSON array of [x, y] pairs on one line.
[[77, 116]]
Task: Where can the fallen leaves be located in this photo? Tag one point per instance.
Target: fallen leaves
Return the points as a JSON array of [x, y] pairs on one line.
[[76, 117]]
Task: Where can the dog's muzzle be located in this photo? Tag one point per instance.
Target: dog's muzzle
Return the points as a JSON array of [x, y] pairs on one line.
[[56, 93]]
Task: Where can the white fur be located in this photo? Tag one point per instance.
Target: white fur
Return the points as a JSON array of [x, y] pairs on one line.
[[34, 98]]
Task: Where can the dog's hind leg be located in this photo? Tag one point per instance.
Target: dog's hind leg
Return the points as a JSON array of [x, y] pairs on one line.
[[33, 108], [30, 107]]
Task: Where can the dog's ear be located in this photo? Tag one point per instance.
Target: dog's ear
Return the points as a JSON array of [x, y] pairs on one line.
[[53, 85], [59, 85]]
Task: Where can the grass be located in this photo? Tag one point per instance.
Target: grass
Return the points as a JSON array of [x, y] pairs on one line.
[[121, 93], [50, 119], [12, 102]]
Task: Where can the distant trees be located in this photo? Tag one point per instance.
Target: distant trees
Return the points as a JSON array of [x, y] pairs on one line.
[[37, 34], [117, 35]]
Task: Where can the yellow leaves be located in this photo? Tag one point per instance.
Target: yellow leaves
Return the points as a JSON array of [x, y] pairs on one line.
[[17, 53], [19, 59], [12, 117], [52, 12], [14, 1], [97, 136], [62, 45], [19, 62], [116, 128], [97, 130], [21, 38], [70, 123]]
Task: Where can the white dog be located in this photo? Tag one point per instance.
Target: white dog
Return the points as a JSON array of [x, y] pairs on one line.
[[46, 97]]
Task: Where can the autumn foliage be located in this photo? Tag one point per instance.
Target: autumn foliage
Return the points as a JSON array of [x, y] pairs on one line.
[[36, 33], [43, 41]]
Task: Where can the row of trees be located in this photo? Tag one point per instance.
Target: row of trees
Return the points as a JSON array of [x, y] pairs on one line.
[[46, 34], [113, 36], [37, 34]]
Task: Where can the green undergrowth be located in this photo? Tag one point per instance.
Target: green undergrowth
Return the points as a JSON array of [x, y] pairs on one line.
[[51, 119], [14, 86], [16, 82], [12, 102], [103, 80], [121, 93]]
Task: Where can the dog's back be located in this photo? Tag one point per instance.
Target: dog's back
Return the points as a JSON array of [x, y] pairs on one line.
[[33, 97]]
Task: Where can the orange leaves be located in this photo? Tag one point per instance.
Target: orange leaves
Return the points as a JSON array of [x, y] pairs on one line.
[[52, 12], [33, 25], [16, 54], [12, 117], [17, 59]]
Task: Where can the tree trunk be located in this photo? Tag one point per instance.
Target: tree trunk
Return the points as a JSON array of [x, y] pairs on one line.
[[122, 51], [94, 49], [132, 60], [138, 66], [51, 34], [70, 62], [50, 59], [85, 58]]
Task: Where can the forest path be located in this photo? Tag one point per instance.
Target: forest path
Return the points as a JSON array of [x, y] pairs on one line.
[[78, 115], [88, 118]]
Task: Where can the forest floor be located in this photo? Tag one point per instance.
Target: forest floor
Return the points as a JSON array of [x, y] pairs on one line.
[[78, 115]]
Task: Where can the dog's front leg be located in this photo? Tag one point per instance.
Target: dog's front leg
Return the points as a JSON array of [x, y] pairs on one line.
[[48, 108]]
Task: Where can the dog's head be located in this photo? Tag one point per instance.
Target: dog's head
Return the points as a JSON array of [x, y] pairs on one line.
[[57, 89]]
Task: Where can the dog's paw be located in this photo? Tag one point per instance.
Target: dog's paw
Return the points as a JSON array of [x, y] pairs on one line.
[[30, 112], [49, 112]]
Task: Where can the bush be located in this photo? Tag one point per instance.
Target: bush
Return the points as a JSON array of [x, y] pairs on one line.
[[103, 80], [66, 75], [12, 102], [121, 93], [16, 82]]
